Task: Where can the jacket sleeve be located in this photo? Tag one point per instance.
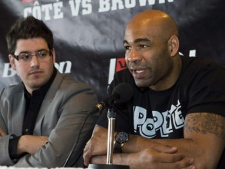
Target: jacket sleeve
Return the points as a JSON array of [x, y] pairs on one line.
[[5, 158], [4, 140], [69, 107]]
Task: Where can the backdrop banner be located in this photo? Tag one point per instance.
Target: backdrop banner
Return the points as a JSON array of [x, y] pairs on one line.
[[89, 33]]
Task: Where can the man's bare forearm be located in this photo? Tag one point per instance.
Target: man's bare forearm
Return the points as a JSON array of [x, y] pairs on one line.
[[203, 140]]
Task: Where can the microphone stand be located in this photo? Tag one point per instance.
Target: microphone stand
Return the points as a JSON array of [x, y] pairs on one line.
[[109, 160]]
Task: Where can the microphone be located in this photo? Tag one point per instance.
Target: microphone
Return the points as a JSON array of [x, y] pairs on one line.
[[121, 94]]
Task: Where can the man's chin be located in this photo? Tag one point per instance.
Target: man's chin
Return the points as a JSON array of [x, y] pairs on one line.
[[141, 83], [36, 84]]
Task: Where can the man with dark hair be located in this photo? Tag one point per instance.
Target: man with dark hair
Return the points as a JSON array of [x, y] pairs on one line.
[[175, 118], [41, 117]]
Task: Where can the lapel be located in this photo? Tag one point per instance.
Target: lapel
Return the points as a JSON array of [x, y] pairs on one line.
[[18, 110], [47, 102]]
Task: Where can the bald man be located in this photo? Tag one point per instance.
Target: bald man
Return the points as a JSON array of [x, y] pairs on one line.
[[175, 118]]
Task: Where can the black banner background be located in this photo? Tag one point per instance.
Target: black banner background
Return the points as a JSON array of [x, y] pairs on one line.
[[89, 39]]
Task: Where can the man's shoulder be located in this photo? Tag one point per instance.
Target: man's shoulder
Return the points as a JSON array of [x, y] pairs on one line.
[[200, 65], [70, 85], [199, 62], [69, 80], [12, 90]]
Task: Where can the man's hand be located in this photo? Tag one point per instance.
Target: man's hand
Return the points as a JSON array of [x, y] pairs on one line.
[[2, 133], [30, 144], [97, 145], [149, 159], [157, 154]]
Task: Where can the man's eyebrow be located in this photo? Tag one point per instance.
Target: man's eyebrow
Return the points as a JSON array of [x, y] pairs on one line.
[[138, 40], [25, 51], [125, 41]]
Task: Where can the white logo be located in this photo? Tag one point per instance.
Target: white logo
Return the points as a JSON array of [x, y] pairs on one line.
[[165, 122]]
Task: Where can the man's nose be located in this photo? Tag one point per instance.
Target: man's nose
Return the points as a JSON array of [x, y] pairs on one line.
[[34, 61], [133, 56]]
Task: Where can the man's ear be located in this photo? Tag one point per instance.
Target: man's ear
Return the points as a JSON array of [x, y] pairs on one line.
[[53, 55], [173, 44], [12, 61]]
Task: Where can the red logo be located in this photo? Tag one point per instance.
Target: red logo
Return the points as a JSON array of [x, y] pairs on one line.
[[26, 1], [115, 66]]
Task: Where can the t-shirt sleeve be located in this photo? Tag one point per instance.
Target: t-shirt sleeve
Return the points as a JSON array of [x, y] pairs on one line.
[[207, 91]]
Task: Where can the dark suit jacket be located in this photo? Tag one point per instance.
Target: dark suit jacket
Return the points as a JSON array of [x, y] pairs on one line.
[[64, 108]]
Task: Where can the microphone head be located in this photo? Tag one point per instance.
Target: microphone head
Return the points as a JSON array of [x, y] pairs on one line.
[[122, 93]]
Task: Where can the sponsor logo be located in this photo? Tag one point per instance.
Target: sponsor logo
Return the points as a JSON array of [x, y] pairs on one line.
[[26, 1], [116, 64]]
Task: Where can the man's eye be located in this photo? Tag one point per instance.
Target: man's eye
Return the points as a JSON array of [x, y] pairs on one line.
[[24, 57], [143, 46], [42, 54], [127, 47]]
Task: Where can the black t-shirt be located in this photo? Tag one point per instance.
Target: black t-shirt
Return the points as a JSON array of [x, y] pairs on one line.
[[160, 114]]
